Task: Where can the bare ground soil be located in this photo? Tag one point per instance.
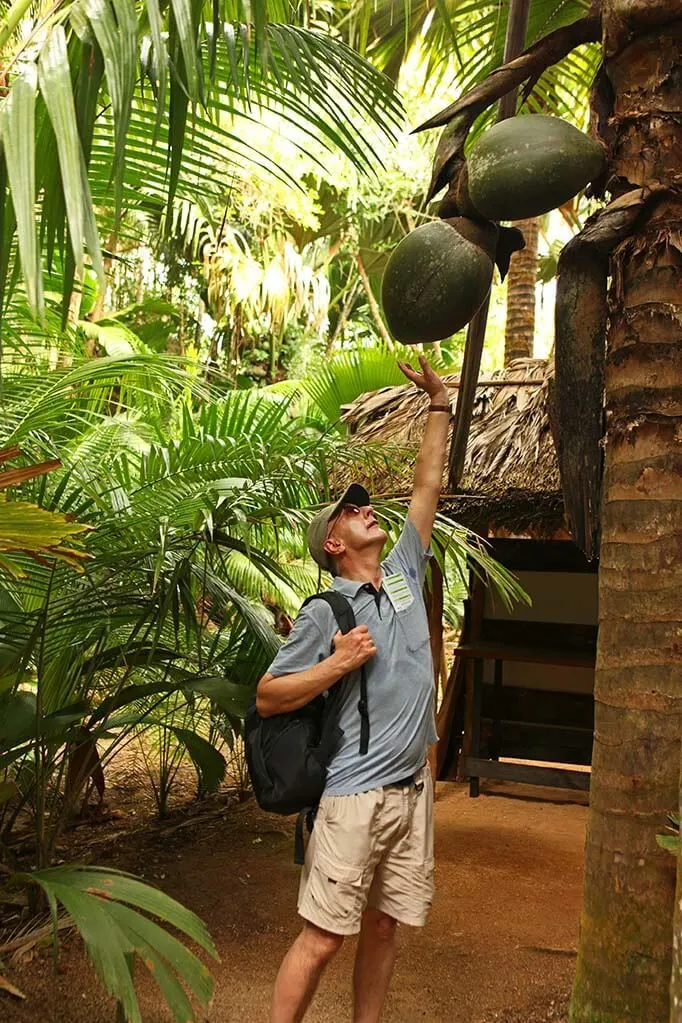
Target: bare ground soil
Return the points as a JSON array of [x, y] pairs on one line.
[[499, 947]]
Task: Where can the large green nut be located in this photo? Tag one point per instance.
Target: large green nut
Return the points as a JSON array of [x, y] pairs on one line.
[[434, 282], [526, 166]]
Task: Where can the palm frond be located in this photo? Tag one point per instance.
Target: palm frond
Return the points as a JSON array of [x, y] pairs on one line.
[[226, 81], [353, 372], [462, 41], [25, 527], [17, 130], [44, 402], [112, 912]]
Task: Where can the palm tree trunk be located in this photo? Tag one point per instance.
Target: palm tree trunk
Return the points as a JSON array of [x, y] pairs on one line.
[[624, 957], [676, 978], [519, 329]]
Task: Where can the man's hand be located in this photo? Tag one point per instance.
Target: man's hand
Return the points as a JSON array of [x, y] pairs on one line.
[[428, 380], [354, 648]]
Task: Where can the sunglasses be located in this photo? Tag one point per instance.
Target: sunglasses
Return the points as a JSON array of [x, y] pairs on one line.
[[350, 511]]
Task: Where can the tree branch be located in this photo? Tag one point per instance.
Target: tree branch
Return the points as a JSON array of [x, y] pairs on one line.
[[374, 305]]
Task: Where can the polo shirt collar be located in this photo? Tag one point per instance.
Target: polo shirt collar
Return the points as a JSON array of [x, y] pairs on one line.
[[348, 587]]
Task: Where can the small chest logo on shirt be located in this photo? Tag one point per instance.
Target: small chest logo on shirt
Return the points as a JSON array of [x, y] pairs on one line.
[[399, 593]]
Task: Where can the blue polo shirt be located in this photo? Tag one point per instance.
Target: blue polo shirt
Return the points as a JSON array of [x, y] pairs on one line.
[[400, 683]]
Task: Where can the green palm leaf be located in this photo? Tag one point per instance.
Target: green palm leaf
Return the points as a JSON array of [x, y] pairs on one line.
[[107, 907], [17, 128], [209, 763], [55, 85], [348, 374], [44, 401], [266, 72], [115, 28], [187, 33], [160, 55]]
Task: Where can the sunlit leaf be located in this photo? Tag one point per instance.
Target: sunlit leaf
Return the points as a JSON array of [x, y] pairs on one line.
[[160, 59], [17, 120], [117, 38], [40, 533], [187, 34], [55, 84]]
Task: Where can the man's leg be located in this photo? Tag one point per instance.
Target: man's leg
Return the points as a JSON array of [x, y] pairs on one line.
[[374, 964], [300, 973]]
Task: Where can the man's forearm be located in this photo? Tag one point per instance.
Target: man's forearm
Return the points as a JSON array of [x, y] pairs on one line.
[[428, 473], [284, 693]]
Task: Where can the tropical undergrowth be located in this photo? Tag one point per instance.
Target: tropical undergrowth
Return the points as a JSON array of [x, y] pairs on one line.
[[151, 607]]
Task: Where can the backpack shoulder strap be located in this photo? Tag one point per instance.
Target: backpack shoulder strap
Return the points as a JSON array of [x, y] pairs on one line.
[[341, 608], [345, 619]]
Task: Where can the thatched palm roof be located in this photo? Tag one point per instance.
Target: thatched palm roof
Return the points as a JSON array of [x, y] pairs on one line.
[[511, 476]]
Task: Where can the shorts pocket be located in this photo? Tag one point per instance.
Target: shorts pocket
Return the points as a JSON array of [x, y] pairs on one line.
[[337, 890], [339, 873]]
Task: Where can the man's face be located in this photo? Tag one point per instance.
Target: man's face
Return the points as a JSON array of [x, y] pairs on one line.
[[354, 529]]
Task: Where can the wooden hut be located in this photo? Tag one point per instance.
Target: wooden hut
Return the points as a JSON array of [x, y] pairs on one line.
[[518, 703]]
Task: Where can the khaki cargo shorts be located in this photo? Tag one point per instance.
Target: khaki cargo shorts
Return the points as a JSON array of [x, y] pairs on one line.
[[370, 850]]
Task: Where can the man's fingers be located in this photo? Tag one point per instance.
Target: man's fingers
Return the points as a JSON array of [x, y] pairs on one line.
[[361, 640], [407, 369], [428, 369], [418, 379]]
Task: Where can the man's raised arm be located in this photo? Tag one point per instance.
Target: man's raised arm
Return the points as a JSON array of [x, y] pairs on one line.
[[431, 458]]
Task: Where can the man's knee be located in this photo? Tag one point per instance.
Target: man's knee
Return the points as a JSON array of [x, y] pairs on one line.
[[380, 925], [320, 945]]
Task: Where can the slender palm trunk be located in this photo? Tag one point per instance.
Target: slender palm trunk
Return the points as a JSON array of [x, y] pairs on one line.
[[676, 978], [374, 305], [519, 330], [624, 958]]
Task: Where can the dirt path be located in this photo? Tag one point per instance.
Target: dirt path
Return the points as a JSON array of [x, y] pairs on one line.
[[498, 945]]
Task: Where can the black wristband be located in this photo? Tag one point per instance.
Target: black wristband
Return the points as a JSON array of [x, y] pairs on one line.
[[439, 408]]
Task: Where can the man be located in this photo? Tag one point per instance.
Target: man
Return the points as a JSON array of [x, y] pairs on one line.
[[369, 863]]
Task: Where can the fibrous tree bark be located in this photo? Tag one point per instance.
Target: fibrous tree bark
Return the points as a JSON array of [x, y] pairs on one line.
[[624, 956], [676, 976], [519, 330], [581, 313]]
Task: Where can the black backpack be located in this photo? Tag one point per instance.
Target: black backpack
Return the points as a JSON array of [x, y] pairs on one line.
[[288, 754]]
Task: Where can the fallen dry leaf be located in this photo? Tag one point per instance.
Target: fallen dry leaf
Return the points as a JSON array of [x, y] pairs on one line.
[[10, 988]]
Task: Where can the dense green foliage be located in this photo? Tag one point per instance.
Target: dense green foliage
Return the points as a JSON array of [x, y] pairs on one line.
[[143, 606]]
